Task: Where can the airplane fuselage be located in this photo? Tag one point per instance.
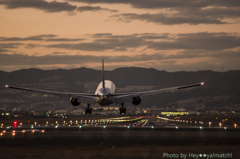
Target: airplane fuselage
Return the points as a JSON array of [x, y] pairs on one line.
[[109, 89]]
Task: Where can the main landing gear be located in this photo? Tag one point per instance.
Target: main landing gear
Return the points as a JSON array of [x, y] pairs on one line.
[[88, 110], [122, 109]]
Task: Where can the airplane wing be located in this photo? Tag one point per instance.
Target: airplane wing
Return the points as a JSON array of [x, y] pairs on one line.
[[128, 97], [84, 98]]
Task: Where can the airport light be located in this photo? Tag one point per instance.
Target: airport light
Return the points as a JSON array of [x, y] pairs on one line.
[[201, 128], [225, 128], [56, 127], [220, 124], [128, 127], [33, 131], [42, 131], [80, 127], [13, 134], [23, 131], [235, 125], [1, 134], [152, 127], [4, 131], [176, 127], [104, 126]]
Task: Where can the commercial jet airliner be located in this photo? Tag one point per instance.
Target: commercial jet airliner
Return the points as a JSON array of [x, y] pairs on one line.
[[105, 94]]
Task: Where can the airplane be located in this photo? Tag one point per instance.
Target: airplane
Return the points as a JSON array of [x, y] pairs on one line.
[[105, 94]]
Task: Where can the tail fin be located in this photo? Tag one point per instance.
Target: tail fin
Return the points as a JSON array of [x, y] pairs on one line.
[[103, 82]]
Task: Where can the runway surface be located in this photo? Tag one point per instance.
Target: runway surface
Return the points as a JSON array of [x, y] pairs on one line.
[[135, 133]]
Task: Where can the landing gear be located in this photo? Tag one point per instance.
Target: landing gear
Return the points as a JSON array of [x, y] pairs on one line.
[[122, 109], [88, 110]]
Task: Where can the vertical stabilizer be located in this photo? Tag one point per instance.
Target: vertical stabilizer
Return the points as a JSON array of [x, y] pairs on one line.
[[103, 82]]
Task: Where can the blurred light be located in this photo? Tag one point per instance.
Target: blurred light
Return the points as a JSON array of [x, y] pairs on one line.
[[225, 128], [23, 131], [176, 127], [104, 126], [200, 127], [202, 83], [220, 124], [13, 134], [4, 131], [13, 131], [33, 131], [7, 86], [152, 127], [42, 131], [56, 126], [235, 125], [80, 127], [128, 126], [1, 134], [210, 123]]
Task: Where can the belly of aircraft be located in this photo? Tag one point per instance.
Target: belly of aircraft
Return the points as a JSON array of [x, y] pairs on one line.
[[104, 101]]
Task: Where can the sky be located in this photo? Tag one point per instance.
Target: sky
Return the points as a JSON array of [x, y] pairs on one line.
[[171, 35]]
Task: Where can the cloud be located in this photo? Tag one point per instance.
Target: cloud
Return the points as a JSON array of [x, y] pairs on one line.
[[168, 19], [160, 61], [46, 6], [201, 41], [4, 47], [44, 37], [30, 38], [174, 12], [191, 41], [90, 8], [158, 4]]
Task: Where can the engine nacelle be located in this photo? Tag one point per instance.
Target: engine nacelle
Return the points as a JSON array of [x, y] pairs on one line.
[[74, 101], [136, 100]]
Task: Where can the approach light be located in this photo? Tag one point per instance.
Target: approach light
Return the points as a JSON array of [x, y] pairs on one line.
[[200, 127], [23, 131], [152, 127], [225, 128], [7, 86], [80, 127], [104, 126], [42, 131], [176, 127], [202, 83]]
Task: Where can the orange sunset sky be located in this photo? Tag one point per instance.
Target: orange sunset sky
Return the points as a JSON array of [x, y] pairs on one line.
[[171, 35]]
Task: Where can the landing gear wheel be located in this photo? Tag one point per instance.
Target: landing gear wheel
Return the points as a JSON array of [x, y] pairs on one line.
[[122, 109], [88, 110]]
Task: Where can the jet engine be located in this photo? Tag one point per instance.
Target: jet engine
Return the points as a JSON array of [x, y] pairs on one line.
[[74, 101], [137, 100]]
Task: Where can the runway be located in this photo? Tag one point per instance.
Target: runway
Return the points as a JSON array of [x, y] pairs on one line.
[[128, 130], [118, 137]]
